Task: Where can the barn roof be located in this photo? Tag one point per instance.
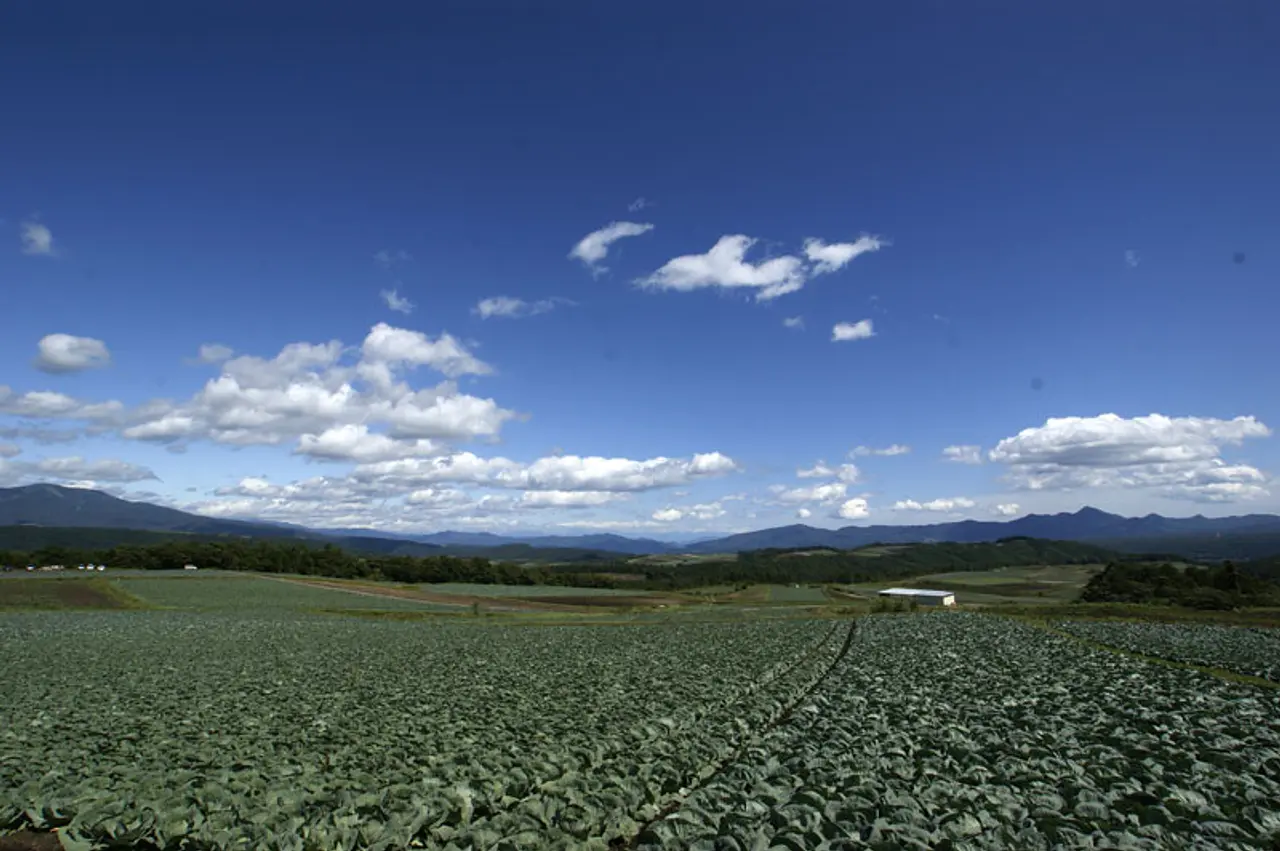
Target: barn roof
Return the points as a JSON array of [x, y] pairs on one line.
[[917, 592]]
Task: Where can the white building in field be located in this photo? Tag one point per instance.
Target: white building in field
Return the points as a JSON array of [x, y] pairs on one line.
[[921, 596]]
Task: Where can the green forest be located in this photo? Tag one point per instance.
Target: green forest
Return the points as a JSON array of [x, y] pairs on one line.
[[1222, 587]]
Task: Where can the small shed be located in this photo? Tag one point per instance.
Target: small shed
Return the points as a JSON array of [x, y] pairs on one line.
[[921, 596], [189, 567]]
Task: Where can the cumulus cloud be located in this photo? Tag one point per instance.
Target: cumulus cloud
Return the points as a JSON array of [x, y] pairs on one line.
[[1006, 509], [829, 257], [512, 308], [594, 247], [854, 509], [214, 353], [355, 442], [568, 499], [48, 405], [37, 239], [803, 513], [562, 472], [795, 323], [704, 511], [843, 332], [943, 505], [847, 473], [66, 353], [892, 449], [964, 454], [396, 302], [826, 493], [1179, 457], [399, 347]]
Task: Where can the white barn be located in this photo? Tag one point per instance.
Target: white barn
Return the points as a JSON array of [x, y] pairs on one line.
[[921, 596]]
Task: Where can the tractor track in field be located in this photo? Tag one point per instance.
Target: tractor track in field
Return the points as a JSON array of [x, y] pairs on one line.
[[787, 711]]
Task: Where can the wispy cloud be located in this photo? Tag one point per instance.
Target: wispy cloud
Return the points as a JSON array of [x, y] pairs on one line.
[[726, 266], [795, 323], [389, 258], [942, 505], [639, 204], [843, 332], [397, 302], [829, 257], [507, 307], [214, 353], [1131, 259], [964, 454], [594, 247], [892, 449], [37, 239]]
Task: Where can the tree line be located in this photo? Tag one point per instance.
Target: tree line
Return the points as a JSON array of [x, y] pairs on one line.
[[1223, 587], [296, 557]]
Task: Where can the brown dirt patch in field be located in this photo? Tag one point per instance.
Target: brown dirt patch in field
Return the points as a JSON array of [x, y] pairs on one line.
[[605, 600], [29, 840], [60, 593]]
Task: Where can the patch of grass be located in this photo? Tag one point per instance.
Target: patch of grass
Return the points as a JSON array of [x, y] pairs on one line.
[[59, 593]]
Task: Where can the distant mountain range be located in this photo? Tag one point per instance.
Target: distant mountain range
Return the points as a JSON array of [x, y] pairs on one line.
[[50, 505]]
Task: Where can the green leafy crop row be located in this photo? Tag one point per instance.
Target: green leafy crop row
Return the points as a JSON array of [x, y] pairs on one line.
[[178, 729], [1244, 650], [964, 731]]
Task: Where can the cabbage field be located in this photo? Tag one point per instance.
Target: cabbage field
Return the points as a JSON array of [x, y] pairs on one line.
[[1253, 651], [211, 730]]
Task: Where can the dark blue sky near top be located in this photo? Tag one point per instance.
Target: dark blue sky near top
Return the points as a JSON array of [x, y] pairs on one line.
[[1079, 207]]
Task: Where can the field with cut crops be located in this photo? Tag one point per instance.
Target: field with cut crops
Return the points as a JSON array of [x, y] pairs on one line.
[[243, 716]]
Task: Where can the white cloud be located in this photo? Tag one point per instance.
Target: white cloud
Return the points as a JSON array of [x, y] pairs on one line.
[[638, 205], [214, 353], [826, 493], [854, 509], [1131, 259], [401, 347], [833, 256], [725, 266], [46, 404], [803, 513], [77, 469], [389, 258], [66, 353], [354, 442], [594, 247], [396, 302], [37, 239], [893, 449], [512, 308], [965, 454], [568, 499], [562, 473], [704, 511], [847, 473], [951, 504], [9, 450], [1006, 509], [846, 331], [1176, 456], [795, 323]]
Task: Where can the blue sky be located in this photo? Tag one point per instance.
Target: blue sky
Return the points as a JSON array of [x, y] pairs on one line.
[[1048, 236]]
